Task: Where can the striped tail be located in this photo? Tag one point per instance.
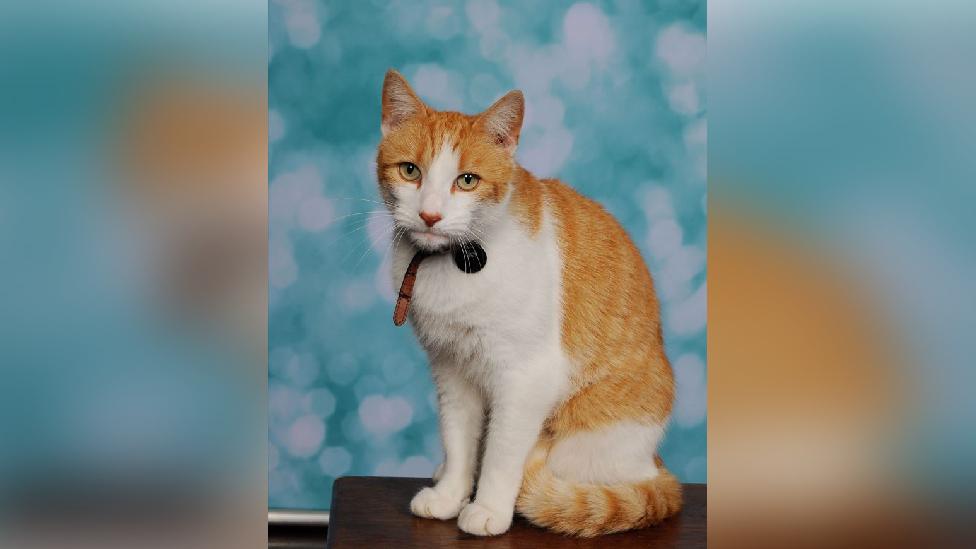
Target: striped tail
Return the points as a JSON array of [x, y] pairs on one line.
[[588, 510]]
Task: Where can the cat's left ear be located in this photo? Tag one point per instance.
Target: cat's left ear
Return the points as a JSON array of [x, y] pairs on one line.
[[503, 120], [399, 101]]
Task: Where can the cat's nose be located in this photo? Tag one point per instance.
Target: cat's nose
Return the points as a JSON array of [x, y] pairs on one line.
[[430, 218]]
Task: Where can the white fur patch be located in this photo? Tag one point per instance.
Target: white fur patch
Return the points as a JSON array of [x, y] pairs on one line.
[[435, 192], [623, 452], [469, 317]]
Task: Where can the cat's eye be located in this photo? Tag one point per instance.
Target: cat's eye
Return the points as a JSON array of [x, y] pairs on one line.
[[409, 171], [467, 181]]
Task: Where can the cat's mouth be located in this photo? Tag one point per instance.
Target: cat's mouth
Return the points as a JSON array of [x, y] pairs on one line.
[[429, 241]]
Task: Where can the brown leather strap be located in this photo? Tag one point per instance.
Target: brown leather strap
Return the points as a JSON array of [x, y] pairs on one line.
[[406, 289]]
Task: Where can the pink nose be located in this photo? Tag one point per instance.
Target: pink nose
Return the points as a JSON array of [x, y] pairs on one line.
[[430, 218]]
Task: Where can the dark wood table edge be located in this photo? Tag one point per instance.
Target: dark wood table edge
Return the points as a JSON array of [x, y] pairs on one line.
[[347, 479]]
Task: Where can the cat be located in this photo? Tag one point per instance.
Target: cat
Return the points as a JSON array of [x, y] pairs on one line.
[[551, 357]]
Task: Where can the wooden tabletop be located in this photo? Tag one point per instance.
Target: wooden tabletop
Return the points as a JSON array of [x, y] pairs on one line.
[[375, 512]]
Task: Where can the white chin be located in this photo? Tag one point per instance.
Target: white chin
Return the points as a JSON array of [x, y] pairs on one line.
[[429, 241]]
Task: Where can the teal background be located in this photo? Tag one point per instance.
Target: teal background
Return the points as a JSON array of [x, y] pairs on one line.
[[615, 107]]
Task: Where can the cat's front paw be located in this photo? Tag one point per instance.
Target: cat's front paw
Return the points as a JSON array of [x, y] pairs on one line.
[[429, 503], [479, 520]]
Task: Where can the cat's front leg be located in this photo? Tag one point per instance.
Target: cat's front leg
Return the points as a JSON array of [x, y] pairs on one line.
[[461, 409], [520, 402]]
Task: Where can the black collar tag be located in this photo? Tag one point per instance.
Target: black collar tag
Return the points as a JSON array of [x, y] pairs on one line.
[[469, 257]]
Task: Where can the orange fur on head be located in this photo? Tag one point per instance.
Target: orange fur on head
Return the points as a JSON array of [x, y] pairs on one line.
[[485, 141]]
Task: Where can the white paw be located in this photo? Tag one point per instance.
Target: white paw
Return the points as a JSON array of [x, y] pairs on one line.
[[429, 503], [481, 521]]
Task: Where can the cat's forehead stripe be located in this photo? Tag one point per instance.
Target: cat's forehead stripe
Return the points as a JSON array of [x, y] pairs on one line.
[[444, 133]]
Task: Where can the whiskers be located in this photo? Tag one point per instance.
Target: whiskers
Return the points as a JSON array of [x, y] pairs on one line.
[[364, 242], [377, 232], [388, 204]]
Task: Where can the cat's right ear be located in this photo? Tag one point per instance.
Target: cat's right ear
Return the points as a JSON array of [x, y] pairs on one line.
[[399, 101], [503, 120]]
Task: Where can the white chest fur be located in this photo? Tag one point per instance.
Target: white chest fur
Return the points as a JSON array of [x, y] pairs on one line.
[[498, 317]]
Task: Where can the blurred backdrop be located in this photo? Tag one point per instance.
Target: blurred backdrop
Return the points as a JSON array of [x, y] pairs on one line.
[[133, 246], [615, 107], [841, 264]]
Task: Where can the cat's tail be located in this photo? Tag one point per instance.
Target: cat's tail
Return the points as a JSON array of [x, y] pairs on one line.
[[588, 510]]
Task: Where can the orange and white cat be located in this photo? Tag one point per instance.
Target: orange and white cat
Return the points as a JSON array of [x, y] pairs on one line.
[[550, 358]]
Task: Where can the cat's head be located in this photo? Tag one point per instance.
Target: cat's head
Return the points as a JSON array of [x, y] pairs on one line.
[[445, 175]]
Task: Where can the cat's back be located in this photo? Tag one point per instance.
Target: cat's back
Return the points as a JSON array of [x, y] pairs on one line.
[[611, 317], [599, 258]]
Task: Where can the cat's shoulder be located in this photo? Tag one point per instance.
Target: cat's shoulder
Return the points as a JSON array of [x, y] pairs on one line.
[[565, 200], [535, 197]]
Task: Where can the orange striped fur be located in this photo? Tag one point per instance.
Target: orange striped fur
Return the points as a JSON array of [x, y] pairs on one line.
[[611, 327], [588, 510]]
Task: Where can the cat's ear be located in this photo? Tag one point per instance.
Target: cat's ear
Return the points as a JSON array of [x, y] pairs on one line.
[[503, 120], [399, 101]]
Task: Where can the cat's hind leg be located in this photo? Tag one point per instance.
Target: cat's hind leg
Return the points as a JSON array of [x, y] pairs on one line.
[[620, 452], [598, 481]]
